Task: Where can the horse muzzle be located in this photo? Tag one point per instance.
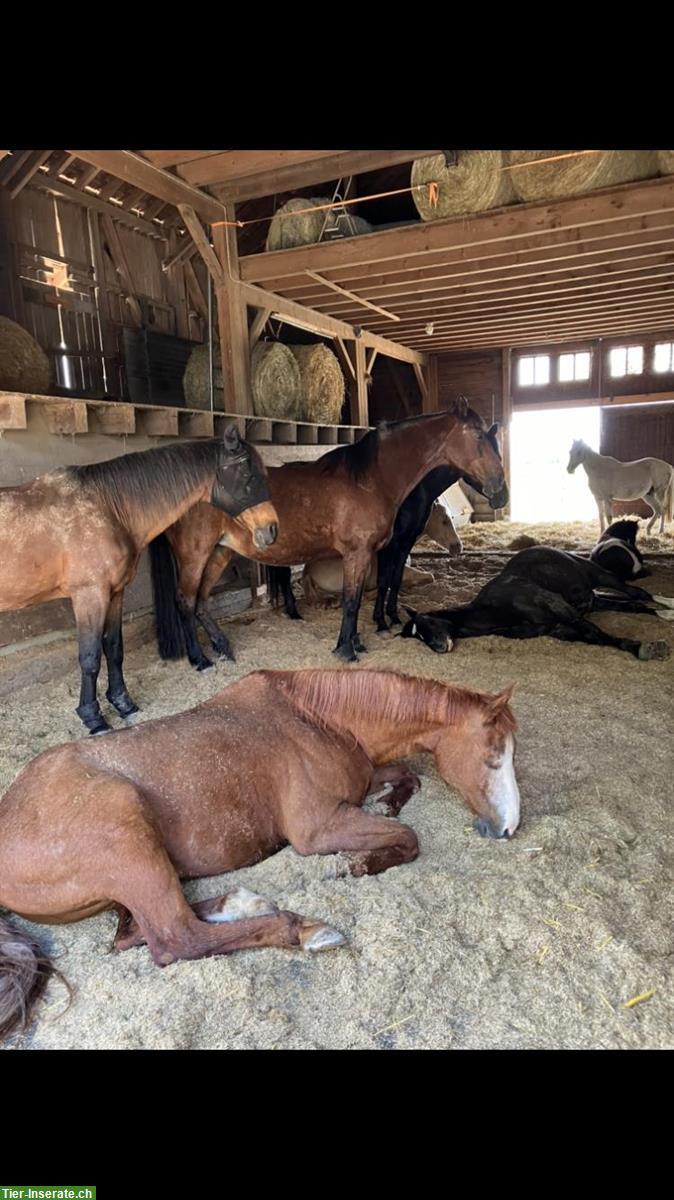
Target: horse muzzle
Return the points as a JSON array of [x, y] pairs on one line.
[[486, 828], [265, 535], [497, 495]]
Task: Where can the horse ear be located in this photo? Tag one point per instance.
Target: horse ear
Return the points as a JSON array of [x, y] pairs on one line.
[[500, 700], [493, 430], [411, 612], [232, 438], [460, 408]]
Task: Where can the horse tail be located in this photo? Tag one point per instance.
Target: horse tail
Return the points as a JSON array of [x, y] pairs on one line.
[[24, 971], [168, 625], [276, 578]]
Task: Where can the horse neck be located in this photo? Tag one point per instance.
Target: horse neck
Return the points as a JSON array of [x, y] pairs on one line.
[[590, 459], [409, 451], [390, 715], [152, 500]]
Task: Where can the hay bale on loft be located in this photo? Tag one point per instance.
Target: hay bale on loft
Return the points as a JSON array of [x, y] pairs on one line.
[[24, 366], [475, 183], [197, 381], [666, 162], [574, 176], [276, 382], [292, 226], [322, 384]]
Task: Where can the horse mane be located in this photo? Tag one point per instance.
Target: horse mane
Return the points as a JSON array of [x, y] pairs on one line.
[[388, 696], [148, 478], [359, 457]]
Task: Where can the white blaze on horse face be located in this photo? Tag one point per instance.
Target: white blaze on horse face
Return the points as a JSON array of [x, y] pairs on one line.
[[504, 794]]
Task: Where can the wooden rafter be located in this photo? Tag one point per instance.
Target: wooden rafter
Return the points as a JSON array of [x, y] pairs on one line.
[[246, 174], [122, 268], [196, 231], [134, 169]]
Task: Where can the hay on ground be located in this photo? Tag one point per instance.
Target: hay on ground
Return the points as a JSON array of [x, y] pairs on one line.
[[197, 382], [276, 382], [574, 176], [292, 226], [24, 366], [322, 384], [476, 182]]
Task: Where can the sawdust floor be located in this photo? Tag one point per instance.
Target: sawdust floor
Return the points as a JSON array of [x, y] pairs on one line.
[[536, 943]]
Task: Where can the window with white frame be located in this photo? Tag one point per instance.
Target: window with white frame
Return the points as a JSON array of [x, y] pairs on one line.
[[534, 370], [626, 360], [663, 357], [572, 367]]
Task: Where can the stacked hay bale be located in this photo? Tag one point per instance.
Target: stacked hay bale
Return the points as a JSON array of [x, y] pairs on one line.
[[540, 180], [666, 162], [24, 366], [197, 380], [475, 183], [291, 225], [276, 382], [322, 384]]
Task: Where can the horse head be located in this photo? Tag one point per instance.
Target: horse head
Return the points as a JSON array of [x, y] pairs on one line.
[[576, 455], [241, 488]]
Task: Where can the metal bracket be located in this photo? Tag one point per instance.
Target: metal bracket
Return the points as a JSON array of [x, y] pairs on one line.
[[451, 157]]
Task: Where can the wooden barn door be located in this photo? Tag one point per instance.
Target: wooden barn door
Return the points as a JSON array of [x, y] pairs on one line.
[[631, 432]]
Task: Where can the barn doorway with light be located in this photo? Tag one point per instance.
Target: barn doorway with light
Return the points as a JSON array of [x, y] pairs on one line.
[[541, 488]]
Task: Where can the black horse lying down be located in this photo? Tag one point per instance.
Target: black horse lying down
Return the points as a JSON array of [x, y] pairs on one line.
[[543, 592], [616, 551]]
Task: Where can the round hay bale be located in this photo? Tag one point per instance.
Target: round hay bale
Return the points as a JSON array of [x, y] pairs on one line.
[[522, 542], [477, 182], [574, 176], [322, 384], [24, 366], [276, 382], [666, 162], [197, 380], [291, 226]]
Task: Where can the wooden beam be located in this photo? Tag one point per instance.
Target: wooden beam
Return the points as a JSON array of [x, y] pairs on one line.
[[122, 268], [66, 191], [4, 153], [359, 398], [506, 413], [12, 411], [132, 168], [247, 174], [233, 322], [36, 160], [171, 158], [66, 416], [345, 359], [370, 362], [487, 228], [324, 324], [158, 422], [196, 230], [196, 424], [351, 296], [259, 322], [112, 419], [13, 168], [425, 406], [185, 250]]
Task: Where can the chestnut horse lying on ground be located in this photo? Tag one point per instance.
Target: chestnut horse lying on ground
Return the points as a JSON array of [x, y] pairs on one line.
[[80, 531], [345, 503], [117, 822]]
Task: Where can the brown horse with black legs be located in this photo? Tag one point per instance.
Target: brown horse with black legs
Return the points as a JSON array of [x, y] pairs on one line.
[[278, 758], [80, 531], [343, 504]]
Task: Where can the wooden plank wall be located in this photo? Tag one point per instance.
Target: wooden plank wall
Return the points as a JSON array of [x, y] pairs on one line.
[[477, 375], [641, 432], [83, 277]]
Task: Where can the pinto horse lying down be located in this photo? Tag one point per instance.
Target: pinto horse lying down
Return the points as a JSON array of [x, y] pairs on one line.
[[543, 592], [278, 758]]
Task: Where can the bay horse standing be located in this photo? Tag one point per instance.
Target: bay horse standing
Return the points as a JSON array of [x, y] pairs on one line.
[[344, 503], [278, 758], [80, 531], [649, 479]]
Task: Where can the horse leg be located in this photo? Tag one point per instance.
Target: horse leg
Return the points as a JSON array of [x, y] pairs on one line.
[[356, 566], [113, 648], [657, 503], [383, 577], [372, 843], [292, 610], [189, 580], [90, 606], [600, 508], [578, 630], [132, 867], [218, 561], [396, 583], [391, 787]]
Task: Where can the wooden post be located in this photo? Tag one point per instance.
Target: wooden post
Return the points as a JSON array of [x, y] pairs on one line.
[[359, 400], [432, 383], [506, 416], [232, 322]]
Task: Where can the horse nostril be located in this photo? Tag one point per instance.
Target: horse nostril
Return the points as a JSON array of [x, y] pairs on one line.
[[273, 530]]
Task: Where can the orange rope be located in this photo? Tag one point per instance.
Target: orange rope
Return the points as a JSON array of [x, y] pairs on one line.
[[433, 193]]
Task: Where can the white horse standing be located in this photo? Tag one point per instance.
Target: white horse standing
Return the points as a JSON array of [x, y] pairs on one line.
[[649, 479]]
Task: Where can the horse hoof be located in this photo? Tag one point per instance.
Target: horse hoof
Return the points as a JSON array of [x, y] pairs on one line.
[[345, 653], [322, 937], [226, 656], [668, 601], [294, 616], [132, 718], [99, 732], [648, 650], [241, 904], [206, 665]]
